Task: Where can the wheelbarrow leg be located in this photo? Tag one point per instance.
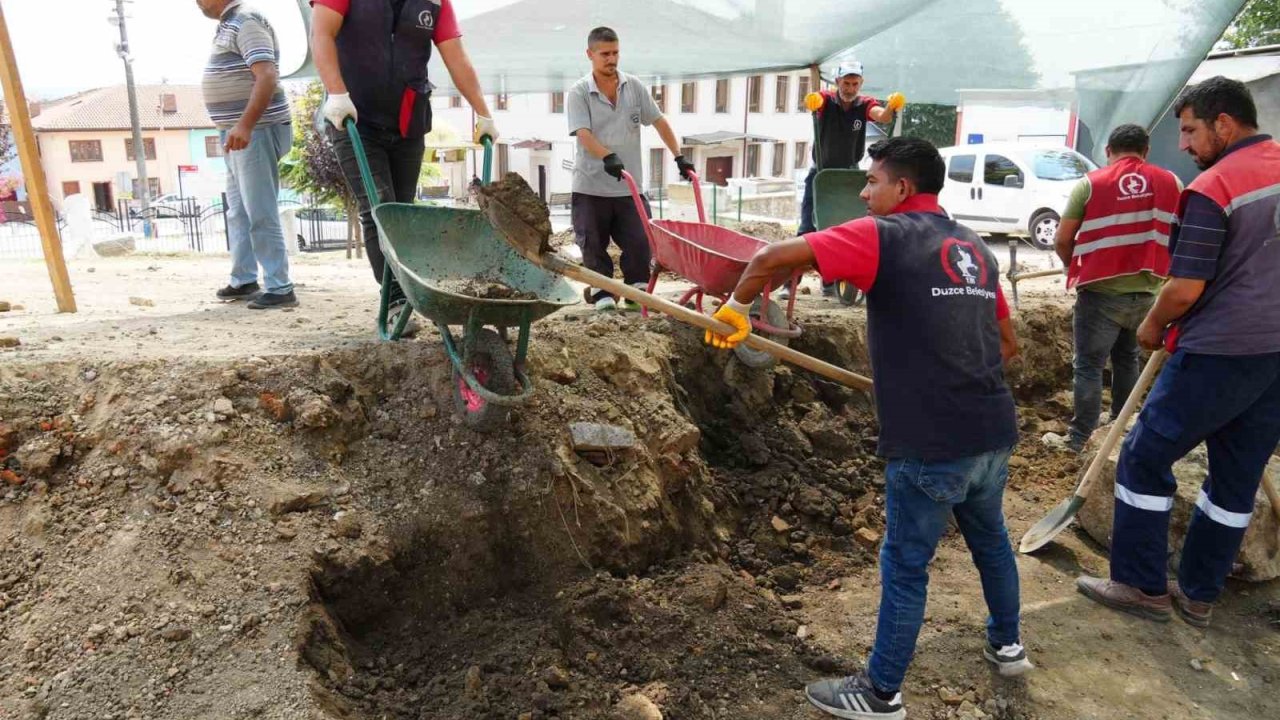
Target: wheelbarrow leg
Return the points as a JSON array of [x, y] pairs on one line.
[[384, 308], [653, 283]]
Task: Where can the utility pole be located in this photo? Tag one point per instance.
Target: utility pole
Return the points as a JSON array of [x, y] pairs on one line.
[[139, 151]]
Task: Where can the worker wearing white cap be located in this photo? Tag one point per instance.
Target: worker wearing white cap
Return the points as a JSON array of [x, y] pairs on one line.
[[840, 128]]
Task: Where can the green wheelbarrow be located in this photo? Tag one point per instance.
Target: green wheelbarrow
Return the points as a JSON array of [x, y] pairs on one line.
[[434, 252], [837, 200]]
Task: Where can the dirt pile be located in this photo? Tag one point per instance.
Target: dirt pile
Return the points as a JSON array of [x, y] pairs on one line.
[[484, 289], [317, 536]]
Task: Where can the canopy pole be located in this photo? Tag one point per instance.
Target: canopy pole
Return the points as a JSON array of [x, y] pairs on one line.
[[33, 172]]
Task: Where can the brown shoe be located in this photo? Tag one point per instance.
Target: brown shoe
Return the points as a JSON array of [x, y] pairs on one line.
[[1125, 598], [1193, 611]]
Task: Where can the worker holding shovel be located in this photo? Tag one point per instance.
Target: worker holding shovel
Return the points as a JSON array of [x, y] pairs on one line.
[[938, 329], [1219, 316]]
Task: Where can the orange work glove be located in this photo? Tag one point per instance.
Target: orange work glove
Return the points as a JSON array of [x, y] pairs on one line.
[[813, 101], [732, 313], [897, 101]]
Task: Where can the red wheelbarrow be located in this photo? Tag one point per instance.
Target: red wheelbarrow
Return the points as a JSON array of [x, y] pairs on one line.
[[714, 258]]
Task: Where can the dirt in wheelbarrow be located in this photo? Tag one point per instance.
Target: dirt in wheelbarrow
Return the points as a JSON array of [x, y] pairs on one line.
[[484, 289]]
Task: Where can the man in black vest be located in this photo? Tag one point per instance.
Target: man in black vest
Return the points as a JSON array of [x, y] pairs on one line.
[[372, 58], [939, 331], [840, 132]]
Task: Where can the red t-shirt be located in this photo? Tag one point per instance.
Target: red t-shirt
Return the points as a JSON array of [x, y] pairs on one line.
[[446, 26], [851, 251]]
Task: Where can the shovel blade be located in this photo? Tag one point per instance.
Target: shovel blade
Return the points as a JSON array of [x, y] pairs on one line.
[[519, 234], [1043, 532]]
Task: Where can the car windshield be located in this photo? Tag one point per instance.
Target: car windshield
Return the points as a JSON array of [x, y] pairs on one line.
[[1059, 164]]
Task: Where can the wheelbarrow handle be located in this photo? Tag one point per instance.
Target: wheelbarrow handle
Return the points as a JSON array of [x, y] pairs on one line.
[[366, 174], [640, 212]]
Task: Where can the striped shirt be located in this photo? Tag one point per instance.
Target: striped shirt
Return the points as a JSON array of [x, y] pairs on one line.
[[243, 39]]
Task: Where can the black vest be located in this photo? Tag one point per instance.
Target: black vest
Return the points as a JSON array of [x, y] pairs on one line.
[[934, 342], [842, 135], [384, 63]]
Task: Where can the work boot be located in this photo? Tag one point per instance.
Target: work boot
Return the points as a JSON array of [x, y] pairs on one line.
[[1124, 598], [1193, 611], [232, 293], [853, 697], [1010, 660], [271, 301], [393, 316], [828, 290]]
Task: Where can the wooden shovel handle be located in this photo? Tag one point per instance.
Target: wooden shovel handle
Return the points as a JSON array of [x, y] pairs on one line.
[[1119, 423], [577, 272]]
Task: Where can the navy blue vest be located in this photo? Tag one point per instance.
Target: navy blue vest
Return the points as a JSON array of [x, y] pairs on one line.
[[842, 136], [384, 60], [934, 342]]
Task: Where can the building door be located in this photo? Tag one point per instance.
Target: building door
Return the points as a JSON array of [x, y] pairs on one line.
[[103, 197], [719, 170], [542, 182]]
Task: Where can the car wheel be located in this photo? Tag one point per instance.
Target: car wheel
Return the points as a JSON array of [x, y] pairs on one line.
[[1043, 229]]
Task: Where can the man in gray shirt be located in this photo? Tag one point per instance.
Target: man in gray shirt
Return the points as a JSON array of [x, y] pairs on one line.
[[606, 110]]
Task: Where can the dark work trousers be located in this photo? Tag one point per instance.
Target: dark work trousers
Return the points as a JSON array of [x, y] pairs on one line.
[[596, 219], [395, 162]]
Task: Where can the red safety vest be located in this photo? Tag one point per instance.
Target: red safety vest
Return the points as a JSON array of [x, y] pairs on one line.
[[1126, 223]]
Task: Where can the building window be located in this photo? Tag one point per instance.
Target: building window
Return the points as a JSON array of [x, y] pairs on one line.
[[455, 101], [961, 168], [802, 155], [659, 93], [503, 160], [802, 89], [149, 144], [783, 90], [86, 150], [754, 85], [689, 97], [722, 95], [212, 146], [500, 101], [779, 159], [71, 187], [557, 102], [657, 164], [153, 187], [753, 160]]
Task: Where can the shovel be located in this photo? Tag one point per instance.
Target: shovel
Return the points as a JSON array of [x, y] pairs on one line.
[[533, 245], [1061, 516]]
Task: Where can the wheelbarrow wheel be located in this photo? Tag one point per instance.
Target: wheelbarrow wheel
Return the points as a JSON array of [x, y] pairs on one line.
[[849, 293], [489, 361], [775, 316]]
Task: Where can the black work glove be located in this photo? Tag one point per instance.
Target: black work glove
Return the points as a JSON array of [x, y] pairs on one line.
[[685, 167], [613, 165]]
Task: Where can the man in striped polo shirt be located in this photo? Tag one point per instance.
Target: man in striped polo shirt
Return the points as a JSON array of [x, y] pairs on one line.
[[244, 99], [1114, 242], [1219, 316]]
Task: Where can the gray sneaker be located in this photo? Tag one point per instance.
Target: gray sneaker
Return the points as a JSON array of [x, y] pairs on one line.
[[1010, 660], [853, 698]]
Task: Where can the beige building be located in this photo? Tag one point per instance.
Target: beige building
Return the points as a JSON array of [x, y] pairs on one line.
[[86, 144]]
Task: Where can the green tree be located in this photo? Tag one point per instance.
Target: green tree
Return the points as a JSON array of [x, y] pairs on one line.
[[1258, 24], [935, 123], [311, 167]]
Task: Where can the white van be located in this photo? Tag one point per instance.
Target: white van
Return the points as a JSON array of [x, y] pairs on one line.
[[1011, 189]]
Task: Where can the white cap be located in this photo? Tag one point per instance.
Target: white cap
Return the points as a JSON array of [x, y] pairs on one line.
[[849, 68]]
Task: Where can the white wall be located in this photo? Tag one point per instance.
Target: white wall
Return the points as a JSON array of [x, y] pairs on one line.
[[530, 117], [1022, 120]]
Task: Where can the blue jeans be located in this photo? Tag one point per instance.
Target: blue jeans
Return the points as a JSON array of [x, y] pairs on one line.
[[919, 496], [1232, 404], [253, 214], [1105, 326]]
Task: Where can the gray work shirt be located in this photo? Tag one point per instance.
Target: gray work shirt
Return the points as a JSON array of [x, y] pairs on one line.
[[616, 127]]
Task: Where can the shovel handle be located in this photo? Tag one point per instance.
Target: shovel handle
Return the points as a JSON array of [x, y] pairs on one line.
[[782, 352], [1119, 423]]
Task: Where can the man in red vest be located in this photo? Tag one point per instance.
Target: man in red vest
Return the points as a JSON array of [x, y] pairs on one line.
[[1219, 316], [1114, 242]]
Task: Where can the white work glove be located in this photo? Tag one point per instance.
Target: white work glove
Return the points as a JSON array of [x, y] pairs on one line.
[[337, 108], [484, 126]]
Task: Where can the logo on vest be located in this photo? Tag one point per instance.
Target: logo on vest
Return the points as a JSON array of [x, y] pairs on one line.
[[857, 125], [1133, 186], [966, 268], [635, 118], [426, 21]]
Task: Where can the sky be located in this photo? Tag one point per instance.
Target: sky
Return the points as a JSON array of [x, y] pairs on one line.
[[67, 45]]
